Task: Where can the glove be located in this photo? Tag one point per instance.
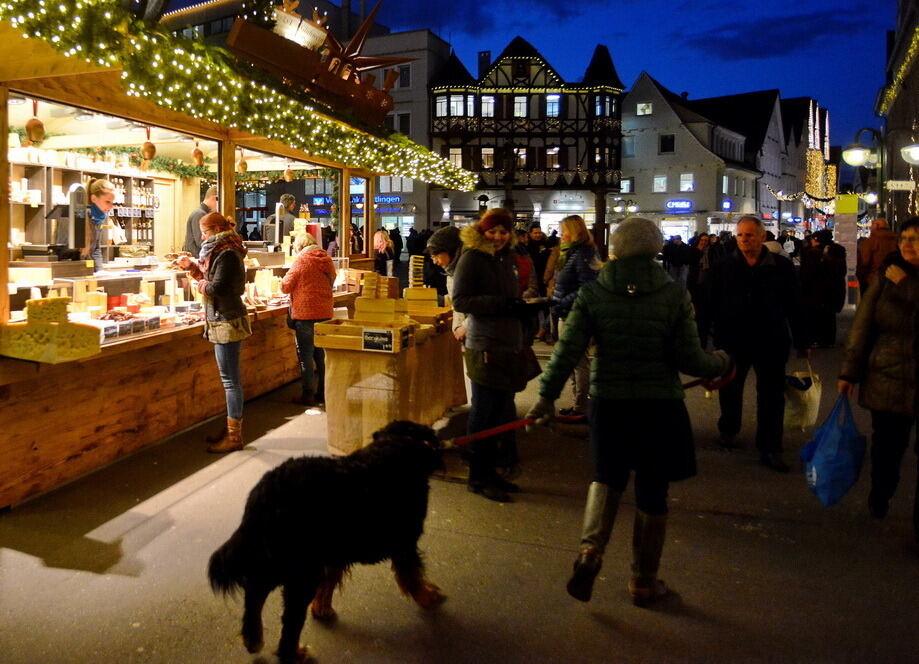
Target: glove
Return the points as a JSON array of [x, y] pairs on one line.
[[730, 370], [543, 411]]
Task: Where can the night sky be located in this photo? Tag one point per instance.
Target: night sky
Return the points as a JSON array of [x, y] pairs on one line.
[[831, 50]]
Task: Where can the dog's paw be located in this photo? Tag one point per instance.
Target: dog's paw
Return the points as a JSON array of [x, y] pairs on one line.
[[252, 642], [429, 596], [323, 612]]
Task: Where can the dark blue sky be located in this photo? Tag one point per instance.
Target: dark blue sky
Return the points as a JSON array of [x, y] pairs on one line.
[[831, 50]]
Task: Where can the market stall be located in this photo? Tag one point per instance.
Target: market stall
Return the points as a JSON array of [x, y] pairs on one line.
[[203, 114]]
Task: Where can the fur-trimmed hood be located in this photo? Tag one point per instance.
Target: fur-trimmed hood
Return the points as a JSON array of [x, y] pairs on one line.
[[473, 239]]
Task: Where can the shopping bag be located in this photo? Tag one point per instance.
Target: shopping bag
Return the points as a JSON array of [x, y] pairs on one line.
[[833, 459], [802, 399]]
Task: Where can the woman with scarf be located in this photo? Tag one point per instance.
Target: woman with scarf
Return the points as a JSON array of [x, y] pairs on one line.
[[485, 289], [881, 358], [309, 283], [221, 279], [383, 253], [578, 263], [101, 202]]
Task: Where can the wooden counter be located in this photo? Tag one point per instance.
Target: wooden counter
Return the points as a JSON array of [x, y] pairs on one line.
[[367, 390], [58, 422]]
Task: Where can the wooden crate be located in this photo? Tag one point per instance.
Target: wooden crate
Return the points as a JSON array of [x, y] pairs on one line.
[[440, 317], [369, 336]]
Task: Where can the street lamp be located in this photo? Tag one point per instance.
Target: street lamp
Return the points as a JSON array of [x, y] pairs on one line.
[[625, 206], [875, 157]]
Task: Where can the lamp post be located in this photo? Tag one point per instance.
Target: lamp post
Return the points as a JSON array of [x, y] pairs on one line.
[[875, 157], [628, 205]]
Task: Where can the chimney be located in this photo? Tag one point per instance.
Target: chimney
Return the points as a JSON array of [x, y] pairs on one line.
[[684, 95], [484, 63]]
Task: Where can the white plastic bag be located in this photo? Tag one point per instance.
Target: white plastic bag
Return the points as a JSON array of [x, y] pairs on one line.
[[802, 399]]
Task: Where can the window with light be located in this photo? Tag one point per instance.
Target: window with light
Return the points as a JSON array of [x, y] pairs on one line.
[[440, 106], [660, 184], [687, 183], [456, 106], [488, 157], [725, 184], [627, 186], [644, 108], [488, 106], [552, 157], [520, 107], [553, 103], [456, 157], [521, 158], [470, 105]]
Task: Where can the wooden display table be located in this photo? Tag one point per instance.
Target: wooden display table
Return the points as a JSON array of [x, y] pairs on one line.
[[366, 390]]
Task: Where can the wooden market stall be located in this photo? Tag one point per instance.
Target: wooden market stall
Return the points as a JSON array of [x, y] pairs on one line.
[[58, 421]]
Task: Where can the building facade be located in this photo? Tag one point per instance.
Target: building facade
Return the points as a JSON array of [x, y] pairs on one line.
[[543, 146]]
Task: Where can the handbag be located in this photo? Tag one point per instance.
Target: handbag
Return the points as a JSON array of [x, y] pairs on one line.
[[833, 459], [499, 370], [227, 331], [802, 399]]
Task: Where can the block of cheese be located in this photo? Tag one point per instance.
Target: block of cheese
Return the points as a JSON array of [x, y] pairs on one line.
[[374, 305], [50, 309], [420, 293], [48, 342], [96, 299]]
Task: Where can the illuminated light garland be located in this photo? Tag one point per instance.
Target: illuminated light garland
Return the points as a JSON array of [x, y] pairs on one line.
[[890, 92], [206, 82]]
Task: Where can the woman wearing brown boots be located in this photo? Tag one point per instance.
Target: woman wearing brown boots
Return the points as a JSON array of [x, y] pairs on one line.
[[221, 278], [645, 335]]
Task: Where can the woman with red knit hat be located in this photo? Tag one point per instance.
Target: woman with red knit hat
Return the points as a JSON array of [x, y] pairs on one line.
[[485, 288]]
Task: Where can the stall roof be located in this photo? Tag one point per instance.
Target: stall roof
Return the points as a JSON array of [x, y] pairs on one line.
[[103, 50]]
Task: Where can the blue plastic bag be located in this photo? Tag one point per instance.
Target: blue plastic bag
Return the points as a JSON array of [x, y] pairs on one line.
[[833, 459]]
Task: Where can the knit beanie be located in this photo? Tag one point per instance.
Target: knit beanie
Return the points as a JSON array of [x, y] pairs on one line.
[[496, 217], [636, 236], [446, 240]]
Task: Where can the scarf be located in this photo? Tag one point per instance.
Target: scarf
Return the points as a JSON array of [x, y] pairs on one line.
[[97, 215], [216, 244], [564, 252]]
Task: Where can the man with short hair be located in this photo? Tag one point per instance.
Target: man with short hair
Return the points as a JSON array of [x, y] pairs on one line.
[[677, 257], [192, 227], [289, 203], [872, 251], [755, 299], [539, 252]]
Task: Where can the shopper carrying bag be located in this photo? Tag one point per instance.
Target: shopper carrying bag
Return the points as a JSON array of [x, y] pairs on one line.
[[802, 399], [833, 459]]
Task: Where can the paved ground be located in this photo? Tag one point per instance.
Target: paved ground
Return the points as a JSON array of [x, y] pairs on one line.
[[111, 568]]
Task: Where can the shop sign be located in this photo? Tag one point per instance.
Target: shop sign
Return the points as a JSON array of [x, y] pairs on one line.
[[681, 204], [320, 211], [767, 215], [900, 185], [379, 340], [320, 200], [727, 205], [380, 198], [796, 220], [397, 208]]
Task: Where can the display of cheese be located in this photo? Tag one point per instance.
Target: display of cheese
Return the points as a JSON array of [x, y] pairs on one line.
[[420, 294], [49, 342], [50, 309]]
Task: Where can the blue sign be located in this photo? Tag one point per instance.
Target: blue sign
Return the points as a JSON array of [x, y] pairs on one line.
[[797, 220], [679, 204], [388, 199], [726, 205], [320, 200]]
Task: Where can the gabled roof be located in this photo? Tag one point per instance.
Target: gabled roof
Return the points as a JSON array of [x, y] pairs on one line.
[[795, 114], [677, 103], [452, 73], [521, 48], [601, 69], [747, 114]]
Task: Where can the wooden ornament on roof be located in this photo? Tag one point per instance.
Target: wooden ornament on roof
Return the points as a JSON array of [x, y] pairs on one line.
[[303, 52]]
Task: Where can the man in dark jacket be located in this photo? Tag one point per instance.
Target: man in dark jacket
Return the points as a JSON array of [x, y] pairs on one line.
[[677, 257], [755, 299], [539, 251], [192, 230]]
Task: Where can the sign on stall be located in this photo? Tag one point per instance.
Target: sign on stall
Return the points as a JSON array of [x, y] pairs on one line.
[[900, 185]]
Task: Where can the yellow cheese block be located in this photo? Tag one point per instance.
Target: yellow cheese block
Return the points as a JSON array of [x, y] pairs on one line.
[[96, 299], [51, 309], [48, 342], [375, 305]]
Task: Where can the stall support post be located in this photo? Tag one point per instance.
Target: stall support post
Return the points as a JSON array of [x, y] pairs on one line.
[[4, 203], [369, 225], [344, 212], [227, 175]]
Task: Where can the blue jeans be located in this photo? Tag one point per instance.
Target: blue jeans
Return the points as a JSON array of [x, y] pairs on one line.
[[307, 353], [228, 365], [489, 408]]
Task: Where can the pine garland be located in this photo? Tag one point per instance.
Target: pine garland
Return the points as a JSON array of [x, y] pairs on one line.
[[158, 163]]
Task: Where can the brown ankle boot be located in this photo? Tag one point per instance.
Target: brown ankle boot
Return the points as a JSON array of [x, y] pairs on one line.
[[232, 441]]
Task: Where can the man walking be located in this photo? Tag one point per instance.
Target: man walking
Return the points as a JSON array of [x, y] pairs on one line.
[[677, 257], [755, 299]]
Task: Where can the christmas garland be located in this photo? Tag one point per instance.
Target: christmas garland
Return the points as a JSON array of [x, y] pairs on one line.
[[207, 82], [161, 164]]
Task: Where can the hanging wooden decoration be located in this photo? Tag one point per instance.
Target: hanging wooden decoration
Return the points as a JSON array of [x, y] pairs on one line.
[[35, 128], [241, 165], [147, 151], [289, 174], [197, 156]]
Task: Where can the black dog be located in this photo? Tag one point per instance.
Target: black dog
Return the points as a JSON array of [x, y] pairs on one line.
[[310, 519]]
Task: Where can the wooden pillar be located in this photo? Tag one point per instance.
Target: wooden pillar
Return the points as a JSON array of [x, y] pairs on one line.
[[344, 211], [4, 203], [227, 179]]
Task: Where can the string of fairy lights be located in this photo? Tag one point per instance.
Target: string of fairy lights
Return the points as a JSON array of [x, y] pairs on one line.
[[205, 82]]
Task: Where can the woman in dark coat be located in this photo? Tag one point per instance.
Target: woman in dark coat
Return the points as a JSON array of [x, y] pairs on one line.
[[485, 289], [645, 337], [221, 279], [881, 358], [823, 286]]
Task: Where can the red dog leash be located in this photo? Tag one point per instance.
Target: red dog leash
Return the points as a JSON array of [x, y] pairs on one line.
[[710, 384]]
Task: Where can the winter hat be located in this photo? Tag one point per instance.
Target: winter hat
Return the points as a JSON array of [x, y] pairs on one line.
[[496, 217], [636, 236], [446, 240]]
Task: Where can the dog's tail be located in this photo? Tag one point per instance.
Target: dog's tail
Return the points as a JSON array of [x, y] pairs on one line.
[[224, 569]]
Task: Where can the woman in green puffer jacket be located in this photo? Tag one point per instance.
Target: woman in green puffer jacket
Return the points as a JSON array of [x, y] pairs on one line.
[[645, 335]]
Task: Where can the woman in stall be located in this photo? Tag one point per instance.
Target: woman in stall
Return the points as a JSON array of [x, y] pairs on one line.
[[383, 253], [309, 283], [221, 279], [101, 202]]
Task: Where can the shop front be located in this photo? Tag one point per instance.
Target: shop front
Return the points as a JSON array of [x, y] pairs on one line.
[[119, 112]]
